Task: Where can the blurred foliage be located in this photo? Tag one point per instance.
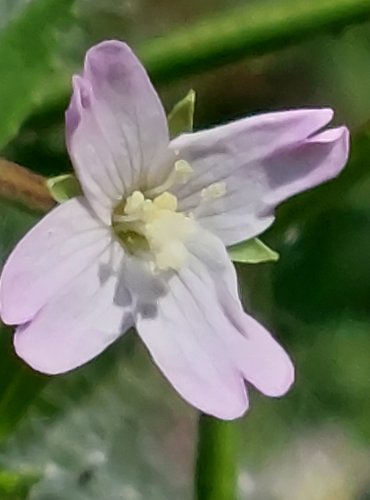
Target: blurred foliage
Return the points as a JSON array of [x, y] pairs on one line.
[[28, 59], [16, 486], [18, 383], [115, 429], [112, 430]]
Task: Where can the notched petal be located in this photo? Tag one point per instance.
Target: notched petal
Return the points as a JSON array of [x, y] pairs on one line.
[[80, 100], [262, 161], [116, 127], [76, 325]]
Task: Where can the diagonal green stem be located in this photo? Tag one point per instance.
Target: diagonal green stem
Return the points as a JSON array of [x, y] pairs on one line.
[[247, 31], [234, 34], [216, 466]]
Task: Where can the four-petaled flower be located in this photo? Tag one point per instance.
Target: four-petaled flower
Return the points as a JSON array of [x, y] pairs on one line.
[[146, 243]]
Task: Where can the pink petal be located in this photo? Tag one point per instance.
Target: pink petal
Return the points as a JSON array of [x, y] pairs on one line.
[[183, 345], [262, 160], [77, 324], [66, 242], [204, 343], [260, 359], [116, 126]]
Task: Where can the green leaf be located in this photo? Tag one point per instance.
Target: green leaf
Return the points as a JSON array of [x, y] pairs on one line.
[[28, 63], [180, 119], [252, 252], [63, 187]]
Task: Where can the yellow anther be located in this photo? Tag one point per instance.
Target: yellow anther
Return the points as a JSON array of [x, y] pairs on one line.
[[134, 202], [166, 201], [147, 206]]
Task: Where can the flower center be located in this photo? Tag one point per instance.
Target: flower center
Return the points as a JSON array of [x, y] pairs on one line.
[[153, 229]]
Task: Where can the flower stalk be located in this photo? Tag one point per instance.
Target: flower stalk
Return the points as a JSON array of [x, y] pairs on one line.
[[216, 463]]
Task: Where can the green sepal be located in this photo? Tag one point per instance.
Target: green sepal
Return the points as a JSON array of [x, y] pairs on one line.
[[63, 187], [252, 251], [181, 118]]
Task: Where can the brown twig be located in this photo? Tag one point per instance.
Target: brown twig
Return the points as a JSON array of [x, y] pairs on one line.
[[23, 186]]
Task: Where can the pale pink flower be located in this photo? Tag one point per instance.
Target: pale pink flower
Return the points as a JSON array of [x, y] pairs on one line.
[[146, 244]]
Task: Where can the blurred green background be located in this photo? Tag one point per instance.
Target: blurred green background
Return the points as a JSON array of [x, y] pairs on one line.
[[114, 429]]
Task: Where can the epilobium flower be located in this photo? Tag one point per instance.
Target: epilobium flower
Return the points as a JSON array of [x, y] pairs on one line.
[[146, 243]]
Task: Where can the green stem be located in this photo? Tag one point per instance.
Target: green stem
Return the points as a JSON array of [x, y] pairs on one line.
[[247, 31], [216, 466], [232, 35], [235, 34]]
